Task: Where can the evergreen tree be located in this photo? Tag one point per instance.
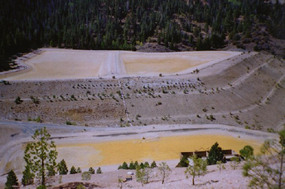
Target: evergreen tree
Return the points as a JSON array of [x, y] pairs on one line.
[[142, 165], [12, 180], [183, 162], [41, 154], [125, 166], [28, 176], [132, 165], [215, 154], [146, 164], [73, 170], [62, 168], [153, 164]]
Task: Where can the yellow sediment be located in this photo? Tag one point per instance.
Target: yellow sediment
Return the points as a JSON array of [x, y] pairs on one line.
[[158, 149], [170, 65], [139, 63]]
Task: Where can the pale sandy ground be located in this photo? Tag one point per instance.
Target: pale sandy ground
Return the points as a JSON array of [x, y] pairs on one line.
[[149, 64], [225, 179], [49, 64], [108, 147]]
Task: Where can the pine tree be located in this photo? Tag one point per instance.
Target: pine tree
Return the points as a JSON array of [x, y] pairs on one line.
[[146, 164], [62, 168], [215, 154], [12, 180], [153, 164], [73, 170], [41, 154], [28, 176]]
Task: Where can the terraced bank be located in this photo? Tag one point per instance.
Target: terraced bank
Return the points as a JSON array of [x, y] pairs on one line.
[[247, 90]]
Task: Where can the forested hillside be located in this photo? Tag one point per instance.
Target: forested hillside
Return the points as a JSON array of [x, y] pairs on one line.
[[126, 24]]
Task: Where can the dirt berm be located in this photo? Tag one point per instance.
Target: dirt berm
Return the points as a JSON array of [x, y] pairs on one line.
[[247, 90]]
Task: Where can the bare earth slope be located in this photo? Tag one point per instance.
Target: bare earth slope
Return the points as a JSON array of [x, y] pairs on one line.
[[246, 90]]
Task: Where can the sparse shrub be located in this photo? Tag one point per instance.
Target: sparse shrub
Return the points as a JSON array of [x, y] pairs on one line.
[[80, 186], [183, 162], [271, 130], [158, 104], [60, 179], [41, 187], [211, 118], [164, 171], [197, 167], [142, 175], [86, 175], [247, 127], [246, 152], [38, 120], [6, 82], [220, 165], [235, 162], [18, 100], [35, 100], [73, 97], [138, 116], [70, 123], [91, 170], [78, 170], [99, 171]]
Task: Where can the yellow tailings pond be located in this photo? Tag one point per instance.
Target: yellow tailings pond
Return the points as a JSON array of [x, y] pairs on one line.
[[148, 149]]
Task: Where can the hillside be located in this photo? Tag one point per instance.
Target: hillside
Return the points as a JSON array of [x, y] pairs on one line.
[[157, 25], [246, 90]]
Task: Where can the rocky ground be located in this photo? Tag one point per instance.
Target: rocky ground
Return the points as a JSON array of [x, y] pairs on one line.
[[245, 91]]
